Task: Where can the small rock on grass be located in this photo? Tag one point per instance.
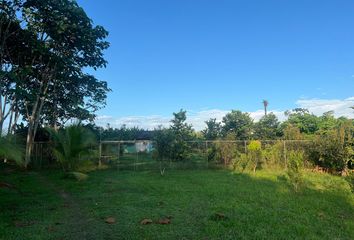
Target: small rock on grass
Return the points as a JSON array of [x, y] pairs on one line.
[[146, 221], [164, 221], [110, 220]]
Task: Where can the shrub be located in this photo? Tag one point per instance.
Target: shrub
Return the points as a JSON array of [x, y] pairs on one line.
[[294, 171], [254, 152], [226, 152], [163, 142], [72, 146], [331, 151], [272, 154], [242, 161]]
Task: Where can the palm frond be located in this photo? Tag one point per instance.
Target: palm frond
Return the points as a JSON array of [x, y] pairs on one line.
[[71, 144], [11, 150]]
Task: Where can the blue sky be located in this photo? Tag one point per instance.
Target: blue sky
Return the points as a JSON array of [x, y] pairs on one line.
[[210, 56]]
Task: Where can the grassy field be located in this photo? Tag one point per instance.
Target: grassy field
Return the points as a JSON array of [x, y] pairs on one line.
[[201, 204]]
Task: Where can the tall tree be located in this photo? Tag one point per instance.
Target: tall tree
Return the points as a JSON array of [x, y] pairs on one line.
[[238, 123], [213, 129], [265, 105], [182, 133], [12, 50], [301, 118], [54, 86], [267, 128]]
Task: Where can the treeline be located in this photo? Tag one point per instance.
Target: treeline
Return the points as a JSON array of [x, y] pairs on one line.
[[331, 138], [237, 125]]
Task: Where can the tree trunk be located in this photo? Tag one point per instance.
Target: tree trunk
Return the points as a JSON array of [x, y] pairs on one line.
[[33, 120], [29, 144], [13, 126], [10, 122], [1, 125]]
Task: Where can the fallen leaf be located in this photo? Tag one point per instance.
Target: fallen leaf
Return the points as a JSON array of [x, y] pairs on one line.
[[164, 221], [110, 220], [146, 222]]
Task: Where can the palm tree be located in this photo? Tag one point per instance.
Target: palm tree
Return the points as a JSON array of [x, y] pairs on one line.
[[71, 144], [265, 104]]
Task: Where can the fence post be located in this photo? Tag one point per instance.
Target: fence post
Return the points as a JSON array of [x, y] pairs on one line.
[[100, 155], [137, 156], [41, 161], [206, 153], [118, 156], [285, 157]]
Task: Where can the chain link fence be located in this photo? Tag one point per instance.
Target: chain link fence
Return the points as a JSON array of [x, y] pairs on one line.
[[142, 155]]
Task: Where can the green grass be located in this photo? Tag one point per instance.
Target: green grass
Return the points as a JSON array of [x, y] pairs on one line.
[[260, 206]]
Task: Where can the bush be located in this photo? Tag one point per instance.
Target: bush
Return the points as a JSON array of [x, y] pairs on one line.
[[331, 151], [295, 166], [72, 146], [273, 154], [163, 139], [254, 152], [226, 152], [242, 162]]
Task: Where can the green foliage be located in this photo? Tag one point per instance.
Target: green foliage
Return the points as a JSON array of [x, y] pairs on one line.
[[123, 133], [291, 132], [163, 141], [238, 123], [294, 171], [334, 149], [11, 151], [182, 132], [213, 130], [240, 162], [267, 128], [52, 45], [72, 145], [301, 118], [327, 122], [272, 154], [226, 152], [254, 152]]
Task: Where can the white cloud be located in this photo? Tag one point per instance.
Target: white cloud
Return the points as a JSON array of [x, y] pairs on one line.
[[198, 118], [320, 106], [260, 113]]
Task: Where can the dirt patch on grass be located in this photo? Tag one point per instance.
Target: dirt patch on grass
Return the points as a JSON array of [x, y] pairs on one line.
[[77, 220]]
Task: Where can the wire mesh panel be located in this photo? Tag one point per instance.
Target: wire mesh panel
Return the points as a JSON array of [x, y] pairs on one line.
[[42, 155], [143, 155], [128, 155]]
